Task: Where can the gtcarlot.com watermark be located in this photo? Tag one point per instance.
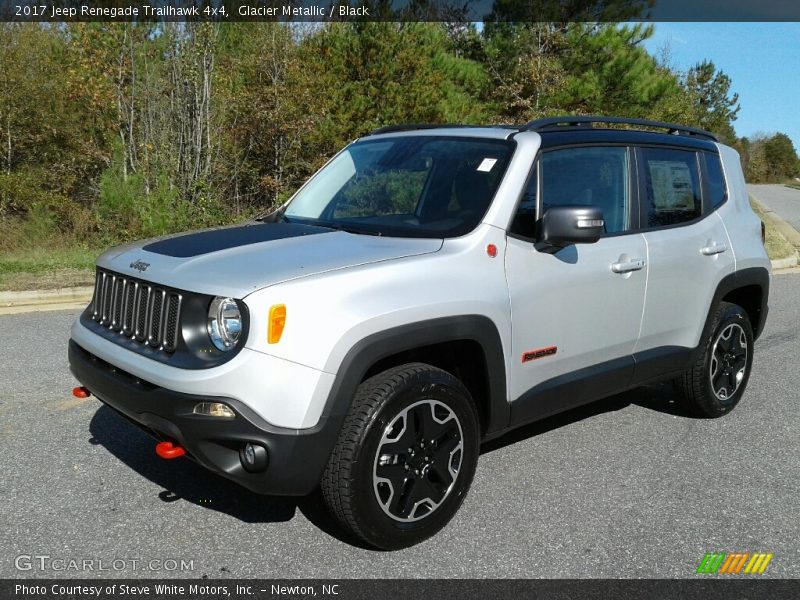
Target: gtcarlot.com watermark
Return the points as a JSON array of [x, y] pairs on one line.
[[46, 562]]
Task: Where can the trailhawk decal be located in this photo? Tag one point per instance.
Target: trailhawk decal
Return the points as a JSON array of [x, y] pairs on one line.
[[538, 353]]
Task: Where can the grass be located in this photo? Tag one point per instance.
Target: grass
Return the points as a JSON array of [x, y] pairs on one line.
[[46, 268], [795, 186], [776, 244]]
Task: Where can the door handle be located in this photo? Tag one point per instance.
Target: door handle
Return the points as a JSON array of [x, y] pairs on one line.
[[713, 248], [634, 264]]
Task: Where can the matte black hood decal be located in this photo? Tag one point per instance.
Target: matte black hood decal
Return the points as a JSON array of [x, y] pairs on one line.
[[213, 240]]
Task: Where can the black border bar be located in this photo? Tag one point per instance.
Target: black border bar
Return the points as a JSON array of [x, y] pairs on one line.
[[704, 587], [59, 11]]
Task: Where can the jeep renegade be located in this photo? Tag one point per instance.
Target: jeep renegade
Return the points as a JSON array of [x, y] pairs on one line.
[[430, 288]]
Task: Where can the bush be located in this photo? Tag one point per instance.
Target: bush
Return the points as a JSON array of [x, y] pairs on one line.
[[131, 208], [19, 190], [31, 215]]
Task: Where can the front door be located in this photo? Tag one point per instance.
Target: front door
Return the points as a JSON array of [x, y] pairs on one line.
[[576, 313]]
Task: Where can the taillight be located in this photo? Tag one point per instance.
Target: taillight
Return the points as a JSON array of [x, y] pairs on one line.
[[763, 233]]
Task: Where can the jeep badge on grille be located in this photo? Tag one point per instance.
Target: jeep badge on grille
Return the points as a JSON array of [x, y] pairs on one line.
[[139, 265]]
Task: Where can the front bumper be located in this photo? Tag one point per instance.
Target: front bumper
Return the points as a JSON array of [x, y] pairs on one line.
[[297, 457]]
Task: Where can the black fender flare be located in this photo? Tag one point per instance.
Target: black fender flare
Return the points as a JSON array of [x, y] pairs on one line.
[[753, 276], [383, 344]]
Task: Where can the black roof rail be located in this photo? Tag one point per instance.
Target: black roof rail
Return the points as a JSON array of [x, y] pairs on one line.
[[408, 127], [557, 123], [416, 126]]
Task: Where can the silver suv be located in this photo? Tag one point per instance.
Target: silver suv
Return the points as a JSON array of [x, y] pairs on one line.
[[430, 288]]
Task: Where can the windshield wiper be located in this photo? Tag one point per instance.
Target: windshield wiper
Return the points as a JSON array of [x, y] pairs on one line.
[[350, 229], [277, 216]]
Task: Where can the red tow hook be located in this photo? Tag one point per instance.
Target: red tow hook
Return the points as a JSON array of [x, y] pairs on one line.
[[167, 450], [81, 392]]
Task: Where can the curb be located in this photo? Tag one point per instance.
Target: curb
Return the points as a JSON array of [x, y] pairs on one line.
[[789, 233], [72, 295], [784, 263]]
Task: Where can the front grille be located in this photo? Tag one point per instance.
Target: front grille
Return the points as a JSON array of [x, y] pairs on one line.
[[137, 309]]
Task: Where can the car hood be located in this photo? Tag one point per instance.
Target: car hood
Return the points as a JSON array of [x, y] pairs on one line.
[[236, 261]]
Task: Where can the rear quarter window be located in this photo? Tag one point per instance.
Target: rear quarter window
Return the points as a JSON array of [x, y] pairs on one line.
[[715, 181]]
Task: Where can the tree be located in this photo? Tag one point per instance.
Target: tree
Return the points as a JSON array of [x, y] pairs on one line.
[[543, 69], [157, 127], [374, 74], [50, 143], [609, 72], [713, 106], [769, 158], [273, 112], [525, 62], [781, 157]]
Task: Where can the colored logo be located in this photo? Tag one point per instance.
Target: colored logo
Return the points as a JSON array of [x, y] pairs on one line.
[[734, 563]]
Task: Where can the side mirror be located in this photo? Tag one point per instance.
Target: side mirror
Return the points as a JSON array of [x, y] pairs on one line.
[[565, 225]]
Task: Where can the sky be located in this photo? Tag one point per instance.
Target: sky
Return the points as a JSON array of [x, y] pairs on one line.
[[762, 60]]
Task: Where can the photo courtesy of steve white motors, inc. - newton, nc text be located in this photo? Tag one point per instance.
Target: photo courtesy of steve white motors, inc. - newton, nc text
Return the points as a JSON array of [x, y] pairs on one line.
[[399, 299]]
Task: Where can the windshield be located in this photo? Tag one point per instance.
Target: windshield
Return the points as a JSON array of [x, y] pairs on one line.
[[423, 186]]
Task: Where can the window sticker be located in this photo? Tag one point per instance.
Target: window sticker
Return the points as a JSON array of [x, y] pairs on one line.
[[487, 164], [672, 184]]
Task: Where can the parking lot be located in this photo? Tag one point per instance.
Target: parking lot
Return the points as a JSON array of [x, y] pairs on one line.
[[628, 487]]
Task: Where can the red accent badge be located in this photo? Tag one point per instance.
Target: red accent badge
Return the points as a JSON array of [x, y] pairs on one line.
[[539, 353]]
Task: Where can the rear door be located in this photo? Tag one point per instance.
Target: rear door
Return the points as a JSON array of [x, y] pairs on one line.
[[688, 253]]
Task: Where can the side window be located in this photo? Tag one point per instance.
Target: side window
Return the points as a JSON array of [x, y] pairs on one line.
[[593, 176], [672, 186], [717, 190]]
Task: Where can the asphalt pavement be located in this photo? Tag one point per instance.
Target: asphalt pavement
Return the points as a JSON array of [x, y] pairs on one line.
[[627, 487], [782, 200]]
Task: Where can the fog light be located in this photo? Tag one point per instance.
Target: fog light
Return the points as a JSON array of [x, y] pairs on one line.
[[253, 457], [214, 409]]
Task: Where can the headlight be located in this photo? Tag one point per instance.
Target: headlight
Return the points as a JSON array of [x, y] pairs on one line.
[[224, 323]]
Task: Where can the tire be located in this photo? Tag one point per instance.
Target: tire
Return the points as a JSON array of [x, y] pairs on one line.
[[717, 381], [414, 406]]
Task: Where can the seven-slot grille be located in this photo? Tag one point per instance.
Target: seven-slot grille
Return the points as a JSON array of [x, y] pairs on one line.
[[143, 312]]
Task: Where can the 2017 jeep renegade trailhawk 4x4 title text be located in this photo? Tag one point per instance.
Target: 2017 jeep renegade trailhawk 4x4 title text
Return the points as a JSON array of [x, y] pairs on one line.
[[428, 289]]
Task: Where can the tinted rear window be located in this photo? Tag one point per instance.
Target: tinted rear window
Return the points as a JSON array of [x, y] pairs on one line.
[[717, 190]]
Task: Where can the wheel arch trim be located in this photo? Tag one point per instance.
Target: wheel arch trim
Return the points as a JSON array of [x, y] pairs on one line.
[[384, 344], [753, 276]]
